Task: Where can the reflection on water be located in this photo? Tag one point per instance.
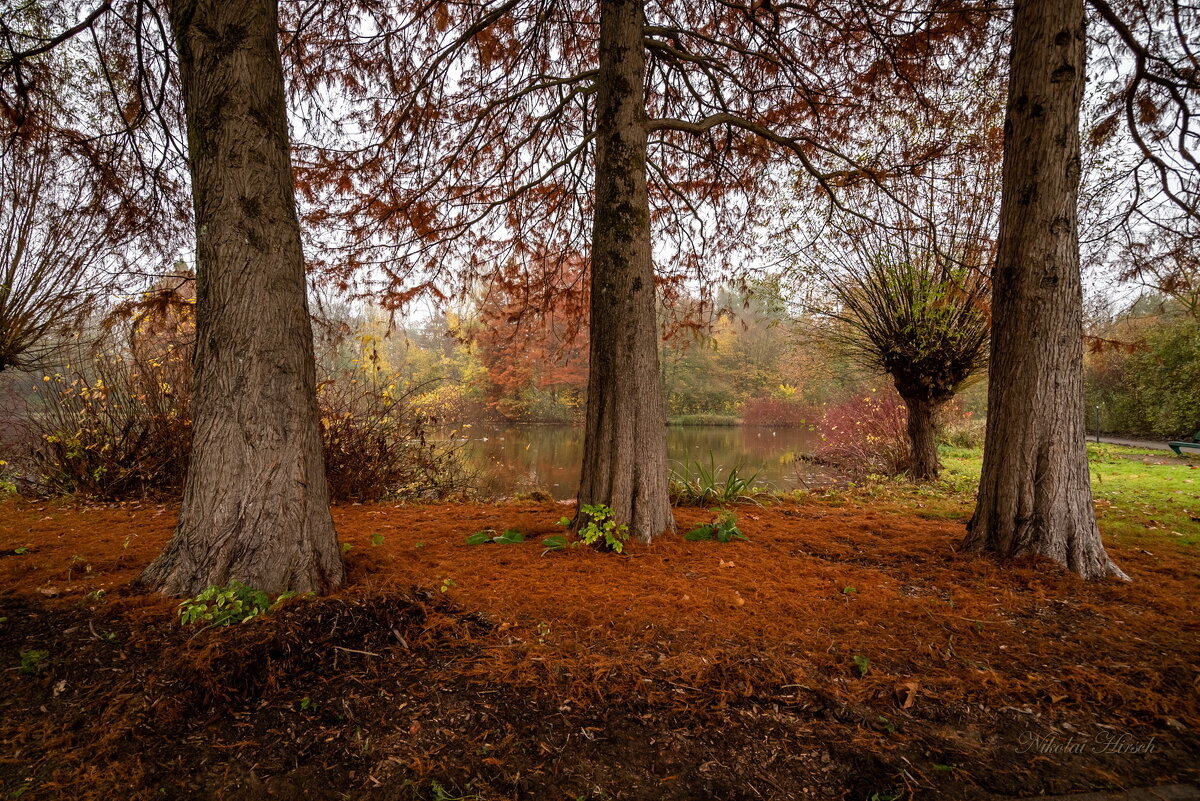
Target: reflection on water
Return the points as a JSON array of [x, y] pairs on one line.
[[520, 458]]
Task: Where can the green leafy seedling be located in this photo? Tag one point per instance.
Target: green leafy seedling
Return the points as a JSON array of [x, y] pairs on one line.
[[32, 662], [723, 529], [440, 793], [601, 528], [555, 542], [849, 591], [481, 537], [376, 539], [509, 537], [862, 663], [224, 606]]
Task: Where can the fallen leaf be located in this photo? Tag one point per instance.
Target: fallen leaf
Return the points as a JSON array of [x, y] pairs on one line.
[[906, 692]]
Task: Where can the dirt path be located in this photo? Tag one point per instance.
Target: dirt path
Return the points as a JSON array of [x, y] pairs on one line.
[[1133, 443]]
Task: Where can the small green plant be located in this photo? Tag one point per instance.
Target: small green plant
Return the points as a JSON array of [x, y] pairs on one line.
[[555, 542], [376, 539], [307, 704], [346, 547], [76, 562], [447, 583], [723, 529], [440, 793], [32, 662], [224, 606], [21, 551], [8, 484], [862, 663], [509, 537], [849, 591], [697, 485], [600, 528]]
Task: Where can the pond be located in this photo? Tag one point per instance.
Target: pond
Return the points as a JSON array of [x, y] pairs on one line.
[[522, 458]]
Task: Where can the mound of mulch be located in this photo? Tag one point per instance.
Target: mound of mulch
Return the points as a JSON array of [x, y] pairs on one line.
[[842, 653]]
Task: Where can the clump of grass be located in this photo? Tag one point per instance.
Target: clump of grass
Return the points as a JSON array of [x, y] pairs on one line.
[[698, 485], [962, 431]]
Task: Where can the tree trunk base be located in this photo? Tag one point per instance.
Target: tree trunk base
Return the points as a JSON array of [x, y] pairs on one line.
[[923, 464], [1038, 501], [1073, 548], [280, 553]]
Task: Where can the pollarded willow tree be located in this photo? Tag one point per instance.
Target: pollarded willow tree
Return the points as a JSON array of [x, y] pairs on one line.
[[256, 503], [443, 138], [906, 286]]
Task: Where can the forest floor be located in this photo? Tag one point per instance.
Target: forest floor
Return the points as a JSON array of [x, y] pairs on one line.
[[848, 650]]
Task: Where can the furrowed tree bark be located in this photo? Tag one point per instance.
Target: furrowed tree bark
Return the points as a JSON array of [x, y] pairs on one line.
[[625, 448], [255, 505], [1034, 494], [923, 462]]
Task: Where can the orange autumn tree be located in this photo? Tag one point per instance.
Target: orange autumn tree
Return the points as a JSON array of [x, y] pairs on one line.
[[445, 138], [532, 337]]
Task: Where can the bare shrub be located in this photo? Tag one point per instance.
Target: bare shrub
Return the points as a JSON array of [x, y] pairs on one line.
[[866, 433], [377, 444], [115, 424]]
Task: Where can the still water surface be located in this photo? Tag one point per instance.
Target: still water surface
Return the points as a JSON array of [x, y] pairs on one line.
[[521, 458]]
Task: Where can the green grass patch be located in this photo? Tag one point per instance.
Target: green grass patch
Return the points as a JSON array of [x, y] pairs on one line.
[[704, 420], [1142, 496]]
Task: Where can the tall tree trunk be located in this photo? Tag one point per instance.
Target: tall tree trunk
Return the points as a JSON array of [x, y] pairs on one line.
[[1034, 495], [256, 504], [625, 447], [922, 439]]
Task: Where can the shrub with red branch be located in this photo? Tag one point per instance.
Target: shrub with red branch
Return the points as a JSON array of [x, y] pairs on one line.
[[866, 433]]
